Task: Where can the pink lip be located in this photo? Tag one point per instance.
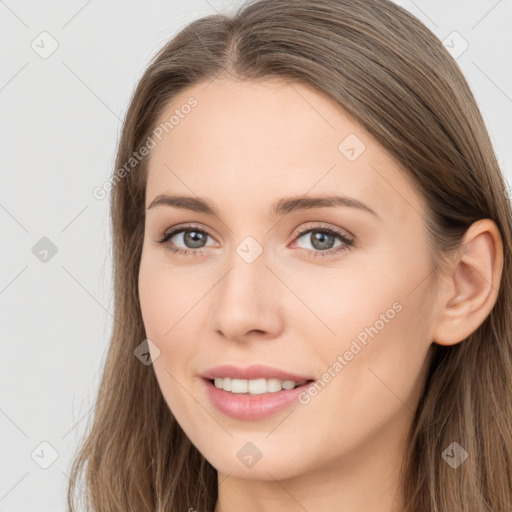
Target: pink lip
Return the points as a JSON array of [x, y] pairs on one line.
[[251, 407], [255, 371]]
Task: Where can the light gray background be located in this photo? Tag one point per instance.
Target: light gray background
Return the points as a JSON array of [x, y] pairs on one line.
[[61, 119]]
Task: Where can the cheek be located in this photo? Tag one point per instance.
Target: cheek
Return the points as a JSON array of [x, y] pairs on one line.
[[377, 339], [161, 307], [170, 304], [372, 376], [153, 299], [337, 304]]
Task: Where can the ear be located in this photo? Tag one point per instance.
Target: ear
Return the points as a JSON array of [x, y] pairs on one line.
[[472, 284]]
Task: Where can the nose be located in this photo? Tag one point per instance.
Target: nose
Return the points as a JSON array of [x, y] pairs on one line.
[[248, 300]]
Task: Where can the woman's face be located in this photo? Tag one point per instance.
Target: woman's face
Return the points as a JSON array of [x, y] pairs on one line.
[[263, 282]]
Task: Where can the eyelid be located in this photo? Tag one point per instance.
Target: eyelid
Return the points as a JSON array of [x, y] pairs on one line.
[[186, 227], [321, 226]]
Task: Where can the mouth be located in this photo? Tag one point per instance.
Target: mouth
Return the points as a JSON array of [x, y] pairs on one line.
[[255, 399], [251, 387]]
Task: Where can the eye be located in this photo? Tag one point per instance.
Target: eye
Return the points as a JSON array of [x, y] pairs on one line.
[[193, 236], [321, 238]]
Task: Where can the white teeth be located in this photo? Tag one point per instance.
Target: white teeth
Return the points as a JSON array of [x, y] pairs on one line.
[[226, 384], [238, 386], [255, 386]]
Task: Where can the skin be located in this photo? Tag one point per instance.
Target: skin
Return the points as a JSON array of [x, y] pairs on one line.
[[243, 147]]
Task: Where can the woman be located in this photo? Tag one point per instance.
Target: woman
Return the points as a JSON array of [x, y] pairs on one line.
[[370, 369]]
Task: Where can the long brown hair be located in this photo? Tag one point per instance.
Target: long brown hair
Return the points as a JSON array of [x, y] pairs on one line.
[[388, 71]]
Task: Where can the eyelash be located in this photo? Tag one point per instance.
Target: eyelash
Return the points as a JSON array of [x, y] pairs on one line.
[[348, 242]]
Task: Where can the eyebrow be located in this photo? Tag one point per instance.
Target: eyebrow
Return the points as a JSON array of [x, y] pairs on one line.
[[279, 208]]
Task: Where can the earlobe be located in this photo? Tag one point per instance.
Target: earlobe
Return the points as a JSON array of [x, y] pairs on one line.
[[472, 284]]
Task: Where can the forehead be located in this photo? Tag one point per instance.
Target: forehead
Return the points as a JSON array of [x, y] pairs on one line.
[[247, 142]]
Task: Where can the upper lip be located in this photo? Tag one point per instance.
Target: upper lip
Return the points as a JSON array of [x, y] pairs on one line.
[[254, 371]]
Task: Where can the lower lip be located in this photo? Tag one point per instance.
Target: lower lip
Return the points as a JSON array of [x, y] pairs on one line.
[[252, 407]]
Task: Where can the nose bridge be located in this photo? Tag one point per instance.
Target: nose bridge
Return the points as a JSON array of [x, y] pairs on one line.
[[244, 300], [248, 267]]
